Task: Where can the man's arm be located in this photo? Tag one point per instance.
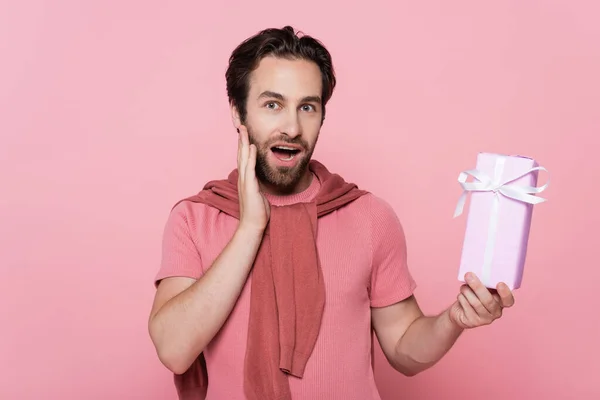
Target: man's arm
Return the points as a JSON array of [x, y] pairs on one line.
[[188, 313], [413, 342]]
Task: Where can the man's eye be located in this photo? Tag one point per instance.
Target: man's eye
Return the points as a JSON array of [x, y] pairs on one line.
[[308, 107], [271, 105]]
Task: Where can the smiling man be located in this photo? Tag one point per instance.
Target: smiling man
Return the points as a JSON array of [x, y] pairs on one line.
[[275, 280]]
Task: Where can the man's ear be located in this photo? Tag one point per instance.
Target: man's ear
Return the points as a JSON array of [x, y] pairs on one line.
[[235, 117]]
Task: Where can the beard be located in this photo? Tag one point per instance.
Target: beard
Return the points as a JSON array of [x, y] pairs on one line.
[[285, 179]]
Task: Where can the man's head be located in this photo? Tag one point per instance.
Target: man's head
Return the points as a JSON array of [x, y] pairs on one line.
[[278, 84]]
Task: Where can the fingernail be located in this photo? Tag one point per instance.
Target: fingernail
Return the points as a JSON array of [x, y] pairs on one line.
[[469, 277]]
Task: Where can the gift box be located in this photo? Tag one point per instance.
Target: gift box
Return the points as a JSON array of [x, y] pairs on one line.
[[502, 196]]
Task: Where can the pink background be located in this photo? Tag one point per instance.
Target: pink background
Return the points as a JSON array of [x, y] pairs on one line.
[[112, 111]]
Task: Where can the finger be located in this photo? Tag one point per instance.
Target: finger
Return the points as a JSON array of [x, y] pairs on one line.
[[497, 298], [505, 295], [469, 312], [244, 151], [483, 294], [239, 155], [244, 134], [251, 166], [474, 301]]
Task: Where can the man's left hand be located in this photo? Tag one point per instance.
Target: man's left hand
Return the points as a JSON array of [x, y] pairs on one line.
[[477, 305]]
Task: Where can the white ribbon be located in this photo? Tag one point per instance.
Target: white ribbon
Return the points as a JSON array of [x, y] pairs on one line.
[[506, 188]]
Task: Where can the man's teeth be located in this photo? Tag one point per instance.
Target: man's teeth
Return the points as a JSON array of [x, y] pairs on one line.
[[292, 152]]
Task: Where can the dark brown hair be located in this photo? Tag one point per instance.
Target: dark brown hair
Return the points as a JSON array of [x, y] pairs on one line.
[[284, 43]]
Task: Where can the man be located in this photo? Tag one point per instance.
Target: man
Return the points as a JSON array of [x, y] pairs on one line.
[[274, 280]]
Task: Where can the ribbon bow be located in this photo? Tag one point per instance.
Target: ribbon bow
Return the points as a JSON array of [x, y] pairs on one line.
[[506, 188]]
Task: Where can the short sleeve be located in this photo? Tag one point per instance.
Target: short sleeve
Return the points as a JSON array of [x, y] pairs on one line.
[[391, 280], [180, 256]]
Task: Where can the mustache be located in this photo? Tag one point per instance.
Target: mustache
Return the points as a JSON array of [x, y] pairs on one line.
[[285, 139]]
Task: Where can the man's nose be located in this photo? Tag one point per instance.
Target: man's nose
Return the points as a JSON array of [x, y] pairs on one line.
[[291, 126]]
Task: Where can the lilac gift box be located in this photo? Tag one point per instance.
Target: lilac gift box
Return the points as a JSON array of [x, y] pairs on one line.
[[503, 193]]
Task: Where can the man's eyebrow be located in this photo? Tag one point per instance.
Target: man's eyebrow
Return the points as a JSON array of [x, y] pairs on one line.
[[274, 95], [311, 99], [271, 95]]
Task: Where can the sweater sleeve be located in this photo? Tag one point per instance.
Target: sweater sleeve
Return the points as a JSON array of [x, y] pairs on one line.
[[391, 280], [180, 256]]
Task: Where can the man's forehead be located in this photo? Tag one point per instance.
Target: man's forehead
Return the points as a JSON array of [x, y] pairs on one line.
[[285, 79]]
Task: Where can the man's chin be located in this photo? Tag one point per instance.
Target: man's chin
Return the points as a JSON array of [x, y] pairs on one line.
[[284, 179]]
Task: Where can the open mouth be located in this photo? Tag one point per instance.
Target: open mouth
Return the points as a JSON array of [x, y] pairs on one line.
[[285, 153]]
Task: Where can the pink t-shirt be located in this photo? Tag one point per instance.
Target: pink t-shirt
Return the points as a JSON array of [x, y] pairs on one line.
[[362, 249]]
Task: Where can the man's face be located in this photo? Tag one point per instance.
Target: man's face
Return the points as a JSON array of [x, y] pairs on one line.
[[284, 115]]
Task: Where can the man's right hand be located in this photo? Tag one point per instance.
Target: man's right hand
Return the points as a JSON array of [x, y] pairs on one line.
[[254, 206], [187, 313]]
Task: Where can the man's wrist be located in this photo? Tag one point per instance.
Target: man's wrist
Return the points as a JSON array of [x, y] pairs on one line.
[[448, 324], [250, 233]]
